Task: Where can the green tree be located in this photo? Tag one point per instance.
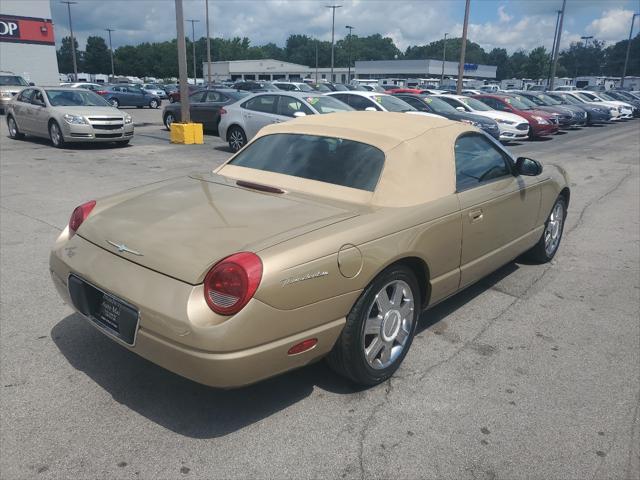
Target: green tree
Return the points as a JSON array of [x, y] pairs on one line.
[[615, 55], [96, 56], [518, 61], [65, 56], [579, 60], [537, 63], [500, 58], [474, 53]]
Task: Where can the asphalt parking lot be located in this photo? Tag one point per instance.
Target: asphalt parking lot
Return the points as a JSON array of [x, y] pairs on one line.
[[532, 373]]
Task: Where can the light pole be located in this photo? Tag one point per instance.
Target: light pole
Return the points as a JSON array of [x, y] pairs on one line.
[[349, 74], [463, 48], [73, 41], [193, 43], [317, 60], [113, 71], [206, 7], [626, 59], [553, 48], [333, 30], [555, 52], [586, 40], [444, 57], [185, 114]]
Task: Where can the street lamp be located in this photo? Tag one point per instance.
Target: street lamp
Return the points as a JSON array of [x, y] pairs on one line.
[[333, 30], [206, 7], [113, 72], [73, 41], [444, 57], [586, 40], [193, 42], [626, 59], [349, 74]]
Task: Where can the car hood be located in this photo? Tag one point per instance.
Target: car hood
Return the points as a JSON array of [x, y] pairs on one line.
[[88, 111], [182, 227], [495, 114]]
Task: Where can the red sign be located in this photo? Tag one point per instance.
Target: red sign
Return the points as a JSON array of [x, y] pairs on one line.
[[26, 30]]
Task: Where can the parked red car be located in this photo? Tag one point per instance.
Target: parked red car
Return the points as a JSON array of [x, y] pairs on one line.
[[175, 96], [541, 123]]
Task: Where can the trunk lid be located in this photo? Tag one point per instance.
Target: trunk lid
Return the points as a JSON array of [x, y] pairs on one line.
[[181, 228]]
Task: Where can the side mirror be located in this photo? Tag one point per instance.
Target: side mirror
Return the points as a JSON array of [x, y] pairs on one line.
[[370, 109], [460, 109], [528, 166], [299, 114], [31, 84]]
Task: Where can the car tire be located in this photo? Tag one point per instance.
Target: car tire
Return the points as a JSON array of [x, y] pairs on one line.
[[55, 135], [114, 102], [154, 103], [549, 242], [379, 329], [236, 138], [14, 133], [168, 119]]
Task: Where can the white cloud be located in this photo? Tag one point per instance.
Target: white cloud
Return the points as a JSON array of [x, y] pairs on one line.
[[503, 15], [612, 26]]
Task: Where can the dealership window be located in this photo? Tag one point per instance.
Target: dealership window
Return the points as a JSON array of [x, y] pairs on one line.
[[249, 77], [264, 77]]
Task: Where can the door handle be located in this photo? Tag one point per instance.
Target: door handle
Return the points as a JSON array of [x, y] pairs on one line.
[[475, 215]]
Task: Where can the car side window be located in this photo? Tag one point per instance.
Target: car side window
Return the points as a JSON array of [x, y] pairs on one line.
[[342, 97], [196, 97], [37, 98], [25, 95], [211, 96], [288, 106], [361, 103], [416, 103], [478, 161], [262, 103]]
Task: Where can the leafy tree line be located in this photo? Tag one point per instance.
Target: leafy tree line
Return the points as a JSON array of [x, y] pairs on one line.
[[160, 59]]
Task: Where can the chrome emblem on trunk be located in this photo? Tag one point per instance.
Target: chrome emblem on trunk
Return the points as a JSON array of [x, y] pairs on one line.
[[123, 248]]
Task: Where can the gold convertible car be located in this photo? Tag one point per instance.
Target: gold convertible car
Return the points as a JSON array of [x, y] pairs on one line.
[[325, 236]]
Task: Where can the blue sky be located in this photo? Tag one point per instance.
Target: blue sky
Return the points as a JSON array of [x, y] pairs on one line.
[[510, 24]]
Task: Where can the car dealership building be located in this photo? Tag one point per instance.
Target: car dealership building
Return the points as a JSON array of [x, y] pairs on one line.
[[27, 43]]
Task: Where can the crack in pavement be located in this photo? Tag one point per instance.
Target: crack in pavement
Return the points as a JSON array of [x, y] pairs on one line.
[[32, 218], [365, 427]]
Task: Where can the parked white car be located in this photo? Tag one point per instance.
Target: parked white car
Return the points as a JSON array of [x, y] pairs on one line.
[[376, 101], [512, 126], [240, 121], [293, 86], [601, 98]]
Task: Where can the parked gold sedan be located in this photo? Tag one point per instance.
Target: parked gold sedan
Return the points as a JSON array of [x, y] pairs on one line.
[[324, 236]]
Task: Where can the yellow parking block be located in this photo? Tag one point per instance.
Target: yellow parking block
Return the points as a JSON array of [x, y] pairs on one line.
[[187, 133]]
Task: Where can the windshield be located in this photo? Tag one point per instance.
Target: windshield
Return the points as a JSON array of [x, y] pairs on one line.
[[324, 159], [76, 98], [13, 80], [475, 104], [519, 103], [586, 98], [392, 104], [304, 87], [327, 104], [536, 99], [547, 99], [439, 106], [607, 97]]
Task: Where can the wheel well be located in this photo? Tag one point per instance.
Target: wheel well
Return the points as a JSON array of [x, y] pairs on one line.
[[231, 127], [421, 270], [566, 193], [51, 120]]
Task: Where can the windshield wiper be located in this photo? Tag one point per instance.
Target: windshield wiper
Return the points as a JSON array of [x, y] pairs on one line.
[[259, 187]]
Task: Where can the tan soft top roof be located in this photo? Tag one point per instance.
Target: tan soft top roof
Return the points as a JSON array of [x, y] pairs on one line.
[[419, 156]]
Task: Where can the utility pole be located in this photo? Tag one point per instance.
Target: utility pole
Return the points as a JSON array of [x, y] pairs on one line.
[[626, 59], [463, 47], [553, 48], [113, 71], [317, 41], [182, 65], [586, 40], [193, 44], [73, 41], [349, 74], [444, 57], [555, 51], [206, 7], [333, 30]]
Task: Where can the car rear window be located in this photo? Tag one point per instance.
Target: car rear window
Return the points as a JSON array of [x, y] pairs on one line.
[[325, 159]]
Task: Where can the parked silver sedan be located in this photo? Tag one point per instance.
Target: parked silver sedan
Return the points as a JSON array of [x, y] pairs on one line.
[[240, 121], [67, 115]]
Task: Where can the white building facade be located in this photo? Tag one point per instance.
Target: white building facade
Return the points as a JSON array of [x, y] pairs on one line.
[[27, 42]]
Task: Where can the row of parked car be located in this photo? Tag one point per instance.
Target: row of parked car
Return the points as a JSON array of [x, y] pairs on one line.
[[237, 114]]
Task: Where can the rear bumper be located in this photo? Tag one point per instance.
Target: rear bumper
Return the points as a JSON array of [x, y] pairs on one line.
[[178, 332]]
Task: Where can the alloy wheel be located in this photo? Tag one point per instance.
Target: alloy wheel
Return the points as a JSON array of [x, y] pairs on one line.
[[13, 128], [54, 132], [236, 140], [553, 230], [388, 324]]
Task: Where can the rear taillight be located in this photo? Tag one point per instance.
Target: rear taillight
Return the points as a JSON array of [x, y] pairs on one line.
[[231, 283], [101, 92], [222, 111], [79, 215]]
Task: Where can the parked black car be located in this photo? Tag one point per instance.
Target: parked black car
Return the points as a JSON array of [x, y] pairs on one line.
[[595, 114], [433, 104], [204, 107], [255, 86]]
